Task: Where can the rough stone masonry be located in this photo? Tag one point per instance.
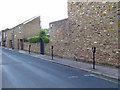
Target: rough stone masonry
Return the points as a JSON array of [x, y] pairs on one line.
[[89, 24]]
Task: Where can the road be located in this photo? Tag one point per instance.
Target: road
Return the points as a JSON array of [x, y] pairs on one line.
[[23, 71]]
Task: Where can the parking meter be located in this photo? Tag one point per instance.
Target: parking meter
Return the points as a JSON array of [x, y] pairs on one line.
[[29, 48], [93, 50], [51, 47], [52, 51]]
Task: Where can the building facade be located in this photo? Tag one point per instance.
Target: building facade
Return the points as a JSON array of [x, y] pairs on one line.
[[90, 24], [4, 43], [59, 31], [25, 30], [9, 38], [14, 37]]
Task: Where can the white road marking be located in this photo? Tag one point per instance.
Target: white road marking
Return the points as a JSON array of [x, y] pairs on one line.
[[73, 77]]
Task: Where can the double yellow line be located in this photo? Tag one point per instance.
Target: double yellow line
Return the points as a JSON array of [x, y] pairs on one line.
[[105, 79]]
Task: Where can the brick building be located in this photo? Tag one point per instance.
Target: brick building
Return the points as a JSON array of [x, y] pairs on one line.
[[3, 33], [89, 24], [14, 37], [9, 38], [25, 30]]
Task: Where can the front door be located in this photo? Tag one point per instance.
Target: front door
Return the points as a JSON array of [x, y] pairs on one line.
[[21, 44], [18, 44], [10, 44], [42, 47]]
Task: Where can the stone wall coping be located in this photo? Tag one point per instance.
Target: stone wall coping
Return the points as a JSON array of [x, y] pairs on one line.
[[59, 21], [26, 21]]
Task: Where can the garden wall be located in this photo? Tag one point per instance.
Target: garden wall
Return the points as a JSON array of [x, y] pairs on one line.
[[59, 37], [35, 47]]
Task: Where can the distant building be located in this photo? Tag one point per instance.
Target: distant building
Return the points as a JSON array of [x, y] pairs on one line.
[[4, 43], [14, 37], [9, 38]]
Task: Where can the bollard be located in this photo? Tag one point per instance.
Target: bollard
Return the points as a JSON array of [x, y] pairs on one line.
[[94, 50], [29, 48], [52, 51]]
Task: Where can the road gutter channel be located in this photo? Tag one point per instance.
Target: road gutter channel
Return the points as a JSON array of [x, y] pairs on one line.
[[81, 68], [53, 61]]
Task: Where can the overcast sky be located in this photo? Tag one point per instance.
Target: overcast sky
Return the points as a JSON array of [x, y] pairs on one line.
[[14, 12]]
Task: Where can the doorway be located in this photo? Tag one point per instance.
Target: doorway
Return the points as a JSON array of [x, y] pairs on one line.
[[21, 44], [41, 47], [10, 44]]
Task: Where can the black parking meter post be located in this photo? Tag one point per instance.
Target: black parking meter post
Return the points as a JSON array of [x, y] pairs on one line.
[[52, 51], [93, 60], [29, 48], [94, 50]]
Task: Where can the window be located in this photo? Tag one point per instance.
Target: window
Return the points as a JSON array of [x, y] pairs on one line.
[[51, 25], [12, 30], [4, 35], [19, 29]]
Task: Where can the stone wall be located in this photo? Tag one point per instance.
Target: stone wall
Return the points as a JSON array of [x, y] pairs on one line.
[[8, 38], [89, 24], [35, 47], [94, 24], [59, 37]]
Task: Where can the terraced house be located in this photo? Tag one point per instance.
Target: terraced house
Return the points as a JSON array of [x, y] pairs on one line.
[[9, 38], [3, 33], [16, 36]]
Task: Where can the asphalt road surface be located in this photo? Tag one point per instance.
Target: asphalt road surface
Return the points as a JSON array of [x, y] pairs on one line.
[[22, 71]]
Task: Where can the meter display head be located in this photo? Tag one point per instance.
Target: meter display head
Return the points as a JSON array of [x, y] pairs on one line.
[[51, 47], [94, 49]]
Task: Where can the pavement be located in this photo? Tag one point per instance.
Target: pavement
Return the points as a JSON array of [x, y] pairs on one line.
[[100, 69], [21, 70]]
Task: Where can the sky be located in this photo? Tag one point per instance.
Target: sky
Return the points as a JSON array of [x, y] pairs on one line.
[[14, 12]]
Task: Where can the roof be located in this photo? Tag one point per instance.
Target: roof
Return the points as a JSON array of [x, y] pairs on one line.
[[30, 19], [58, 21], [27, 21], [6, 30]]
